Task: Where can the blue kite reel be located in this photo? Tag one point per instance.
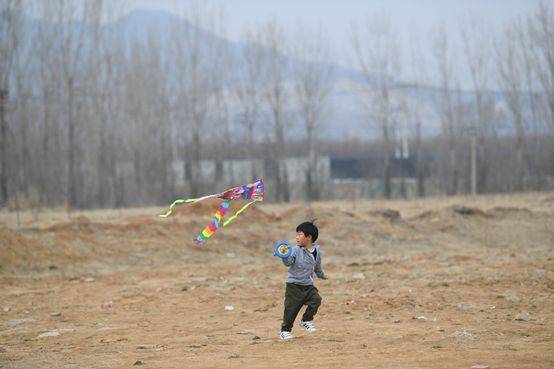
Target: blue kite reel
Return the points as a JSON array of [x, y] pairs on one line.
[[282, 249]]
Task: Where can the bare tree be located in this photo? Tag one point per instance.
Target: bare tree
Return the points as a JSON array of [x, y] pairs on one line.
[[51, 178], [535, 99], [69, 45], [10, 41], [377, 52], [444, 59], [107, 72], [276, 95], [141, 90], [511, 78], [248, 85], [219, 115], [312, 86], [194, 63], [415, 111], [541, 30], [476, 49]]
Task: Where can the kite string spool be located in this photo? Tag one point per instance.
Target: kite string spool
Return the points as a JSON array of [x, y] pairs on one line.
[[282, 249]]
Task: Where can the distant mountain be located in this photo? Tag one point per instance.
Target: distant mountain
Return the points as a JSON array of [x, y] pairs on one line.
[[347, 115]]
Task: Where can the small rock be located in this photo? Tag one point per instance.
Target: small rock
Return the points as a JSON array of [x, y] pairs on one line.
[[53, 333], [55, 313], [7, 309], [256, 337], [89, 279], [479, 366], [510, 296], [464, 307], [107, 305], [396, 321], [463, 335], [231, 254], [229, 308], [359, 276], [419, 318], [2, 350], [138, 362], [16, 322], [145, 347], [524, 316], [184, 289], [351, 302]]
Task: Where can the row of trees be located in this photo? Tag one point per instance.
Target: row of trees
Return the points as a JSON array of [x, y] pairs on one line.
[[95, 116], [519, 62]]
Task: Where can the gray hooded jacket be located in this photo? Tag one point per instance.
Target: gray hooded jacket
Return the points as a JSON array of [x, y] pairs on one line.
[[302, 266]]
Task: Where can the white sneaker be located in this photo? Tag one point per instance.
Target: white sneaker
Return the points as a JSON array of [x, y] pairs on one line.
[[310, 327], [285, 335]]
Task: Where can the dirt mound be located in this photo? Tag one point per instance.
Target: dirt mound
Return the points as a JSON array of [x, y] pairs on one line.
[[467, 210], [20, 252], [548, 199], [389, 214], [503, 211], [16, 250], [256, 213], [428, 214]]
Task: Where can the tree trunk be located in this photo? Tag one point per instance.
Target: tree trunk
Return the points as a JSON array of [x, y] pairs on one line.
[[419, 162], [102, 188], [387, 170], [71, 190], [3, 148], [137, 165], [195, 168]]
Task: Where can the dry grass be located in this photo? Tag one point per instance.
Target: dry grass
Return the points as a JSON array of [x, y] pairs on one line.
[[434, 283]]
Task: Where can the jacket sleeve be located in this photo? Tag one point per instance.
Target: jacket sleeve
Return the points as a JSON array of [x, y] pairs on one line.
[[318, 269], [291, 259]]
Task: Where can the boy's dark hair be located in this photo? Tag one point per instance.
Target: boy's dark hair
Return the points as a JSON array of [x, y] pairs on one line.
[[308, 228]]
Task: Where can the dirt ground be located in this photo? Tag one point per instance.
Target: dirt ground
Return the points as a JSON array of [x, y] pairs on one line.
[[437, 283]]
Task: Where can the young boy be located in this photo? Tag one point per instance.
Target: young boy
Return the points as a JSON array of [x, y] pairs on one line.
[[304, 260]]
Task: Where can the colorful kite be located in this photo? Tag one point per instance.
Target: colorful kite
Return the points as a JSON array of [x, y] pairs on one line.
[[252, 191]]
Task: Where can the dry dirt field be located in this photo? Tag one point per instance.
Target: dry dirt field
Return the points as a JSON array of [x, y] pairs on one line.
[[437, 283]]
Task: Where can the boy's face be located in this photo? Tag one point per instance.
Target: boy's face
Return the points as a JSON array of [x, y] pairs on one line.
[[302, 240]]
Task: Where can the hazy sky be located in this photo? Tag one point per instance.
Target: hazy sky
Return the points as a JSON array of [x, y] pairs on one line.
[[409, 17]]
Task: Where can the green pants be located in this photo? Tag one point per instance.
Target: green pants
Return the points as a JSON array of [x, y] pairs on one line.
[[297, 296]]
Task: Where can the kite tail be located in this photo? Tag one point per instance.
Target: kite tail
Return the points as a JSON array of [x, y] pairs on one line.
[[183, 201], [239, 212], [214, 225]]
